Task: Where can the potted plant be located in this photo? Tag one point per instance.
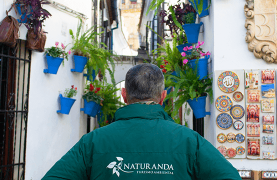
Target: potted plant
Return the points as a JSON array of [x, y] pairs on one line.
[[55, 56], [188, 88], [201, 7], [66, 100], [197, 54], [191, 28], [92, 99]]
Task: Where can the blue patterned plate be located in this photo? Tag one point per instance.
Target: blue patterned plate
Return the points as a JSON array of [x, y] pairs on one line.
[[223, 103], [224, 121], [240, 138], [237, 111]]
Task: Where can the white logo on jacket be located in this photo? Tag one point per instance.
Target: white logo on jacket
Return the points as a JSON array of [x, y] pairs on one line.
[[117, 167]]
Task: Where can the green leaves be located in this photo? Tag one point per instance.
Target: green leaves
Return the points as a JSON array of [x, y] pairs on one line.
[[174, 17], [155, 4]]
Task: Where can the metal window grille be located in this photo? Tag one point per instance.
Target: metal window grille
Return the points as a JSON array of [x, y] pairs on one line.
[[14, 89]]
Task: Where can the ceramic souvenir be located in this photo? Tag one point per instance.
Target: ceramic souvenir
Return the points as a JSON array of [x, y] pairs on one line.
[[268, 119], [238, 125], [251, 80], [221, 138], [228, 82], [253, 96], [267, 105], [253, 147], [268, 91], [231, 137], [231, 152], [237, 111], [240, 138], [238, 96], [268, 76], [223, 103], [253, 130], [268, 155], [222, 150], [253, 112], [224, 121], [268, 140], [240, 150], [268, 129]]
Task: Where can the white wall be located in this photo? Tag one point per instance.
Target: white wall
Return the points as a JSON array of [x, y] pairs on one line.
[[51, 135], [224, 35]]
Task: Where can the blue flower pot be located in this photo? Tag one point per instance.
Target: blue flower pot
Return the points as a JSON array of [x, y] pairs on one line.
[[66, 104], [205, 11], [192, 32], [168, 89], [91, 108], [23, 17], [181, 47], [202, 67], [80, 63], [88, 76], [198, 107], [53, 64]]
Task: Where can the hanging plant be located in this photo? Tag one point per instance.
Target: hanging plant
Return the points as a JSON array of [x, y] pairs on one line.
[[33, 12]]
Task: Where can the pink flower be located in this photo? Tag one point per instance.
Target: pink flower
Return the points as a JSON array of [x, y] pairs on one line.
[[191, 47], [208, 53], [56, 43], [63, 46], [185, 48], [201, 43], [185, 61], [183, 54], [197, 46], [69, 52]]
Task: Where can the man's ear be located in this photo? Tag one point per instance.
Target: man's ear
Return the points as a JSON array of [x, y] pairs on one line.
[[124, 95], [164, 93]]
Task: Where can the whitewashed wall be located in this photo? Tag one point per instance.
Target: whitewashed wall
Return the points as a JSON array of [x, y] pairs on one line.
[[51, 135], [224, 35]]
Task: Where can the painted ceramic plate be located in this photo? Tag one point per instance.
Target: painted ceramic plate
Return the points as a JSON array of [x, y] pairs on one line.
[[240, 150], [221, 138], [223, 103], [228, 82], [231, 137], [224, 121], [238, 125], [240, 138], [238, 96], [237, 111], [231, 152], [222, 150]]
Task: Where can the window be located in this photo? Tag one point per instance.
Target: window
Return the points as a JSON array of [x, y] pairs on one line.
[[133, 1], [122, 1]]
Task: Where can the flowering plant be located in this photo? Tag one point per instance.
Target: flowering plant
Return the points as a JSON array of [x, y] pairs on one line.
[[91, 94], [56, 51], [194, 52], [69, 93]]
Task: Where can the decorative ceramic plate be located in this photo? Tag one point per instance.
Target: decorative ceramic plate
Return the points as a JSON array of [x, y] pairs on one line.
[[231, 137], [224, 121], [221, 138], [228, 82], [237, 111], [223, 103], [222, 150], [240, 150], [240, 138], [238, 96], [238, 125], [231, 152]]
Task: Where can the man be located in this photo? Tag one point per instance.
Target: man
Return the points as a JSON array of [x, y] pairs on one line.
[[143, 142]]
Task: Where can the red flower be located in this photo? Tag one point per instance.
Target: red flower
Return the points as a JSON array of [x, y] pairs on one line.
[[72, 87], [98, 89], [76, 88], [164, 70], [162, 66], [91, 88], [107, 122]]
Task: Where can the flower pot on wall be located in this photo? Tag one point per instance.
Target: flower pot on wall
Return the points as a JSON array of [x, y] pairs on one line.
[[192, 32], [23, 17], [53, 64], [80, 63], [202, 67], [66, 104], [89, 77], [181, 48], [91, 108], [205, 10], [168, 90], [198, 107]]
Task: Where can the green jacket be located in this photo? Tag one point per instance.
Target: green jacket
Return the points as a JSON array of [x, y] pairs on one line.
[[143, 143]]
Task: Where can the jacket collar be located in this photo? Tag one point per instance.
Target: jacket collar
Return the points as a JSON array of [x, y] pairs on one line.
[[141, 111]]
